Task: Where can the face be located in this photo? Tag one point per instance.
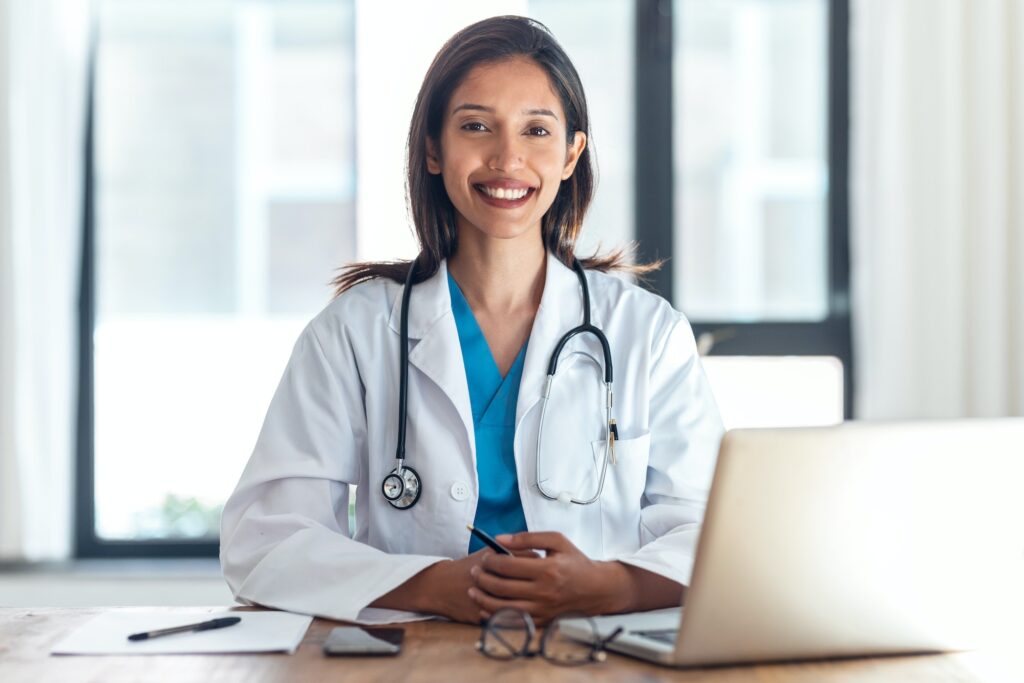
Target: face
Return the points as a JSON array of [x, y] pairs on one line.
[[503, 151]]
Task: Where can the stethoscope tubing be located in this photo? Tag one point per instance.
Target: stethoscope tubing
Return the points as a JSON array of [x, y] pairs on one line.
[[403, 372], [609, 448], [586, 327]]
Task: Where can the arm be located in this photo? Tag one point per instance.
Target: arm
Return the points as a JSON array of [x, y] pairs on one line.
[[631, 589], [285, 539], [686, 430]]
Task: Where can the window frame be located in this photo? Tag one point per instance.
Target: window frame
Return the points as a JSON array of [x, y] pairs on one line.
[[655, 219], [87, 543]]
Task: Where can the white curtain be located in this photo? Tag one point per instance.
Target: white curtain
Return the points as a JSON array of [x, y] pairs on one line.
[[937, 229], [43, 48]]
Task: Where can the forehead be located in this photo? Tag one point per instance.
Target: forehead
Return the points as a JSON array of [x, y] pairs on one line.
[[509, 86]]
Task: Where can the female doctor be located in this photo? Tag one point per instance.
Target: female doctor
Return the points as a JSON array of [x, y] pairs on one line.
[[597, 487]]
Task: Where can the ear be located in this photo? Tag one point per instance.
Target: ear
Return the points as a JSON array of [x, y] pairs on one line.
[[579, 143], [433, 158]]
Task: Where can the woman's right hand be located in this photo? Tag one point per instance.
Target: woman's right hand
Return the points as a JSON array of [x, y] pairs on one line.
[[441, 589], [447, 588]]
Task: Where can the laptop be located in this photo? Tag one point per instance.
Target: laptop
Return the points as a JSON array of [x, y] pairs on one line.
[[860, 539]]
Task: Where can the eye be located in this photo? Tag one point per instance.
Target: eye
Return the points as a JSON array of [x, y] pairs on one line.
[[470, 126], [539, 132]]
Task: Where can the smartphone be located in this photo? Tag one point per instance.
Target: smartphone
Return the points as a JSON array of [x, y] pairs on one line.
[[352, 640]]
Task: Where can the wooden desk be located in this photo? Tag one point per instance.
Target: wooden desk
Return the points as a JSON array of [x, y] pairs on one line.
[[433, 651]]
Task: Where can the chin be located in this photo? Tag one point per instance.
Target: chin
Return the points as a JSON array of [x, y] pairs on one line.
[[503, 231], [510, 234]]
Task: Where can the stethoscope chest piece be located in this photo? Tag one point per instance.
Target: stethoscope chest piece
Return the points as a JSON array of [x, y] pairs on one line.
[[402, 489]]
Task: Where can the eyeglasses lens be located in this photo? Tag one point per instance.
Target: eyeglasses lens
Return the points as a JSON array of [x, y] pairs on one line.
[[506, 636], [561, 648]]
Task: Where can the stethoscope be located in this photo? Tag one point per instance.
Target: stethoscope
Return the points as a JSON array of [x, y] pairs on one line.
[[402, 487]]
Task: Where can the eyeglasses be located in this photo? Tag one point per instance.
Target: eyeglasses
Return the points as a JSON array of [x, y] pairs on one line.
[[509, 633]]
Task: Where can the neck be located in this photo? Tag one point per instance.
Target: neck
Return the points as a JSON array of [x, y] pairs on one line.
[[499, 276]]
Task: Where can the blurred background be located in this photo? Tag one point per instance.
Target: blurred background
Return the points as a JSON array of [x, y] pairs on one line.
[[838, 187]]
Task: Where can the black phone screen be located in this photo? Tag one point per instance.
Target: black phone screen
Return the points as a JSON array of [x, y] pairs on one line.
[[352, 640]]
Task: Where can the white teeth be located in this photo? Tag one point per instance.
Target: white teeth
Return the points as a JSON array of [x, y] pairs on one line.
[[502, 193]]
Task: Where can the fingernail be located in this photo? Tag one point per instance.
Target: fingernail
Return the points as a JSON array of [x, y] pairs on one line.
[[474, 571], [504, 538]]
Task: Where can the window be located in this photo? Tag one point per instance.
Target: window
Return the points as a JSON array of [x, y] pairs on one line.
[[600, 43], [749, 200], [223, 190], [221, 181]]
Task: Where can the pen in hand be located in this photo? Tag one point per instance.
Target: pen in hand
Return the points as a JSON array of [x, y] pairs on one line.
[[488, 541], [201, 626]]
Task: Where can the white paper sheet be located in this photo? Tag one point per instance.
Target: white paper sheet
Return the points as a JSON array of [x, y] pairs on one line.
[[107, 633], [371, 616]]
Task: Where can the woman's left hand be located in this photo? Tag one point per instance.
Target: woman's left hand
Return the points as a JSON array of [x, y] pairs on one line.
[[565, 580]]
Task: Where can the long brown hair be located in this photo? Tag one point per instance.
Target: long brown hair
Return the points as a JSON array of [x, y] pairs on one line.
[[488, 41]]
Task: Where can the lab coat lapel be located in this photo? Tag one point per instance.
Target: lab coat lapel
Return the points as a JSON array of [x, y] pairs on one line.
[[436, 351], [561, 309]]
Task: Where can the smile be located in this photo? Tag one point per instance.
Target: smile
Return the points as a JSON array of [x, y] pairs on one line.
[[504, 197], [503, 193]]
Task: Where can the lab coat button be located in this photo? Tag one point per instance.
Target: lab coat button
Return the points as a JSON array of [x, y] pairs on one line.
[[460, 491]]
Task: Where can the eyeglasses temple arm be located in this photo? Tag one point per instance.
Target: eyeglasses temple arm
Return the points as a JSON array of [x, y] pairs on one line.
[[614, 634]]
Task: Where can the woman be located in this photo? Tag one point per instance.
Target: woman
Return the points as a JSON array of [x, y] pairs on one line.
[[499, 179]]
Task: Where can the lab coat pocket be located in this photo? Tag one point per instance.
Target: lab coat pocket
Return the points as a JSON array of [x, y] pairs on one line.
[[623, 492]]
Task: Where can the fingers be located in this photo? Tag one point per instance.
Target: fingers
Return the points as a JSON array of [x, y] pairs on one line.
[[537, 540], [528, 568], [479, 555], [489, 604], [501, 587]]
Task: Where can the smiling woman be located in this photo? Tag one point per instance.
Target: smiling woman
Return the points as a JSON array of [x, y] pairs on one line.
[[502, 165], [551, 100], [455, 355], [502, 154]]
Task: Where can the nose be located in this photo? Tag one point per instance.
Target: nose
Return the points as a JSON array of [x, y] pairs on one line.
[[507, 154]]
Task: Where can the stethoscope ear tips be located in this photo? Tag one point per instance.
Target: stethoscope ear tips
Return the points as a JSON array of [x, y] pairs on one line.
[[565, 498]]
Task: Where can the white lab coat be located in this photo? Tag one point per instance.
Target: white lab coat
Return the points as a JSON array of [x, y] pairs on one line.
[[285, 536]]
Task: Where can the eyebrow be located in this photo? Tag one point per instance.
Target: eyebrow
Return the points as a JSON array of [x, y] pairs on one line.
[[490, 110]]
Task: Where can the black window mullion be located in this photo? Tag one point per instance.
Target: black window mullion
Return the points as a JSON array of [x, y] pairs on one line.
[[653, 133], [838, 188], [85, 509], [819, 338]]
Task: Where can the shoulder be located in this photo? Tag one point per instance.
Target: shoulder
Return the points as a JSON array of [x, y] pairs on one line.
[[618, 288], [362, 307], [618, 303]]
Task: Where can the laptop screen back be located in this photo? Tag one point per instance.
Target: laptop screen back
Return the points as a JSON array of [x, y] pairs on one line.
[[857, 539]]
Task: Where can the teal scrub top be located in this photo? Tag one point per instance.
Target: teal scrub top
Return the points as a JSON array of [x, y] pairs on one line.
[[493, 398]]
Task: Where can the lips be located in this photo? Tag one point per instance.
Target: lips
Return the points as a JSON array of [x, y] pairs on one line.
[[508, 197], [504, 189]]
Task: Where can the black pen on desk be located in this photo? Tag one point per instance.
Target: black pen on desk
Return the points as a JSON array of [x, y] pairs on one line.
[[488, 541], [201, 626]]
